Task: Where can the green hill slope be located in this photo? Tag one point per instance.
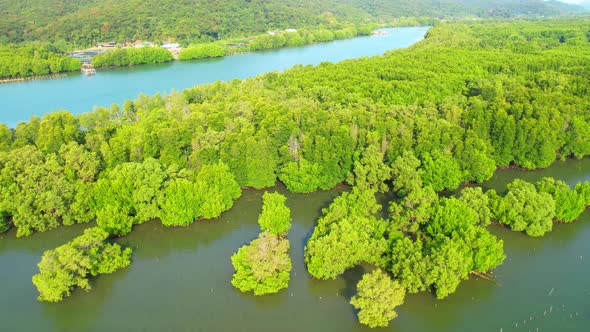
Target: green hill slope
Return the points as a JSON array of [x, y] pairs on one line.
[[84, 22]]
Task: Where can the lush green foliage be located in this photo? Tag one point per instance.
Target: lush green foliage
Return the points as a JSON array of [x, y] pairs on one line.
[[276, 216], [532, 209], [40, 192], [70, 265], [569, 203], [377, 298], [346, 235], [218, 189], [209, 50], [523, 208], [33, 59], [88, 21], [263, 266], [455, 102], [179, 203], [132, 56], [126, 195], [448, 110], [436, 242]]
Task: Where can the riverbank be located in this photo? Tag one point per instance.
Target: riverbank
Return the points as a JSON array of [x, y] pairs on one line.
[[119, 84], [33, 78]]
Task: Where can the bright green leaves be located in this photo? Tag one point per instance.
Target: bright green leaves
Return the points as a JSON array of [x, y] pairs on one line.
[[447, 240], [213, 192], [209, 50], [275, 216], [42, 192], [217, 188], [264, 266], [377, 298], [56, 129], [301, 177], [132, 56], [524, 209], [126, 195], [346, 235], [577, 138], [569, 203], [370, 172], [179, 203], [413, 210], [479, 202], [441, 170], [451, 263], [409, 265], [406, 173], [70, 265]]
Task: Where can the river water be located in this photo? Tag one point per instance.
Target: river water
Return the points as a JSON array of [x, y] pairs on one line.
[[180, 278], [78, 93]]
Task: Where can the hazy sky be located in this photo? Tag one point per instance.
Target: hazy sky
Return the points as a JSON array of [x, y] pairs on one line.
[[572, 1]]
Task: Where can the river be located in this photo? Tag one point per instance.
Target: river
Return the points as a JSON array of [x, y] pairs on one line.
[[78, 93]]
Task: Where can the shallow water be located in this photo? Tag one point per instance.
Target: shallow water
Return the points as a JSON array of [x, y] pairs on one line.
[[180, 280]]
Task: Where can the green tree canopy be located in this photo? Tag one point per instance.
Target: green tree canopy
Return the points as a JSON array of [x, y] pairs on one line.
[[377, 298], [71, 265], [523, 208], [276, 216], [569, 203], [346, 235], [126, 195], [217, 189], [263, 266]]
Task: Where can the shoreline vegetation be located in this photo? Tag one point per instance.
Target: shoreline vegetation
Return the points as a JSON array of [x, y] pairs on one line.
[[274, 39], [452, 109], [130, 56], [34, 60]]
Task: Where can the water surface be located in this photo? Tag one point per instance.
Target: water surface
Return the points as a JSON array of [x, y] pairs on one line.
[[78, 93], [180, 280]]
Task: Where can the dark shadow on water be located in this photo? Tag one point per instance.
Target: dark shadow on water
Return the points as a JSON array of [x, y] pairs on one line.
[[82, 309], [39, 242], [351, 279]]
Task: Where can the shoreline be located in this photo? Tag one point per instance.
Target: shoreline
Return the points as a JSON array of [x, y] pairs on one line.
[[235, 52], [34, 78]]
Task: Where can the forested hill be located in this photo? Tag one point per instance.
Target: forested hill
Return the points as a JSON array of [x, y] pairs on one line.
[[84, 22]]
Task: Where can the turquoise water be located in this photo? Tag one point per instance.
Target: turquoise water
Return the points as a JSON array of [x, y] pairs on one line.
[[78, 93]]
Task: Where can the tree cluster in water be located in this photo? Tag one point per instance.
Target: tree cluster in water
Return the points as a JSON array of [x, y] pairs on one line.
[[450, 110]]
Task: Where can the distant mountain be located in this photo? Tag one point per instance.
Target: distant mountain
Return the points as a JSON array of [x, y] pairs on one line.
[[84, 22]]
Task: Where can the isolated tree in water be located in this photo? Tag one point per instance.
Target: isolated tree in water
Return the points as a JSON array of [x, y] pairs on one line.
[[377, 298], [264, 265]]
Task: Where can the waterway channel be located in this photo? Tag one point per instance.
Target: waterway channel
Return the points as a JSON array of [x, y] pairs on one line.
[[78, 93]]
